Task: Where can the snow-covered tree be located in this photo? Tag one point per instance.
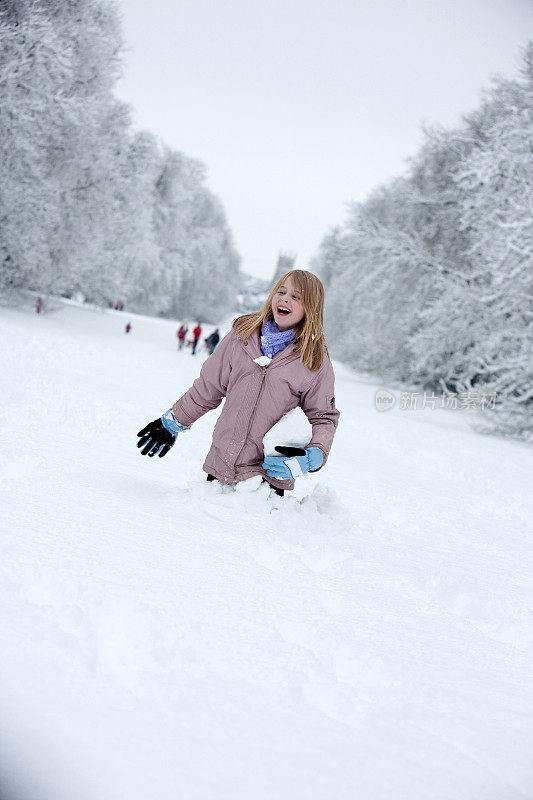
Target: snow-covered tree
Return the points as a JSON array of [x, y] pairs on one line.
[[35, 83], [430, 280], [212, 279], [86, 205], [99, 234], [200, 264], [497, 212]]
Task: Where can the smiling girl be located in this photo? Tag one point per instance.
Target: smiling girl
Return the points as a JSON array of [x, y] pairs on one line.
[[272, 361]]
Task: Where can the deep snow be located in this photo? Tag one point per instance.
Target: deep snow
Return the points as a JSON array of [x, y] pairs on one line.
[[368, 637]]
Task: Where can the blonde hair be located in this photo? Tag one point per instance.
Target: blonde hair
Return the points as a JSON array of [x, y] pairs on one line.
[[309, 334]]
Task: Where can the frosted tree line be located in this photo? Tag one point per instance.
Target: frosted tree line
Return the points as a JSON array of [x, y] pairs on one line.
[[430, 279], [87, 205]]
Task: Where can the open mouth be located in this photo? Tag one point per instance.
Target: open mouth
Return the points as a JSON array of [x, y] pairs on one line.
[[283, 311]]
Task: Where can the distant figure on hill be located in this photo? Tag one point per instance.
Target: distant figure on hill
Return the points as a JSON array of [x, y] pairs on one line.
[[38, 306], [182, 333], [212, 341], [128, 327], [197, 332]]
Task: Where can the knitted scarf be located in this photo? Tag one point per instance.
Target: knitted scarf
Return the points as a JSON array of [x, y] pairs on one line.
[[272, 339]]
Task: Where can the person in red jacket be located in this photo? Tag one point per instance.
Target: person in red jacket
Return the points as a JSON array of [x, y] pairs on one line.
[[197, 332], [181, 334]]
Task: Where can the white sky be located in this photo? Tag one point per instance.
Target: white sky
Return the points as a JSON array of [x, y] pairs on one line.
[[298, 106]]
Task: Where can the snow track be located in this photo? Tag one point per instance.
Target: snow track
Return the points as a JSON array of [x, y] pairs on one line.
[[368, 636]]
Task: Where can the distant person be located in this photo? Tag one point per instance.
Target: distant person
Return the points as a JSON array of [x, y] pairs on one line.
[[182, 334], [38, 305], [271, 361], [128, 327], [197, 332], [212, 341]]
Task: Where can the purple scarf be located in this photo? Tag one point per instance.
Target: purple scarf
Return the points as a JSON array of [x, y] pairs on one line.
[[272, 339]]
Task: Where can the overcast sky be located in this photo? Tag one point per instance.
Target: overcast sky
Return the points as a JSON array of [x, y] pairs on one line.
[[298, 106]]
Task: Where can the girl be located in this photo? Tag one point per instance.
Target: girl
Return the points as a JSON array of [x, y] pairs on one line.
[[272, 361]]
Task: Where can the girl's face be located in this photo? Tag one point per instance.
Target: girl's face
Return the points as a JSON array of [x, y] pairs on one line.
[[287, 306]]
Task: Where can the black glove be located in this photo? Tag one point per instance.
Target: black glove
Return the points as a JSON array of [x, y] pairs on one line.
[[156, 439], [285, 450]]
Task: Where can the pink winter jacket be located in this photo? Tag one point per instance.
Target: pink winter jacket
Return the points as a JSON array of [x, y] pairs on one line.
[[256, 398]]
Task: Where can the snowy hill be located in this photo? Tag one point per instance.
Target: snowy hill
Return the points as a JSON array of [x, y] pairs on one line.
[[368, 637]]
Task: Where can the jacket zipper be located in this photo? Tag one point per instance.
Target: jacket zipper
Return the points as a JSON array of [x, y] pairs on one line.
[[252, 415], [282, 360]]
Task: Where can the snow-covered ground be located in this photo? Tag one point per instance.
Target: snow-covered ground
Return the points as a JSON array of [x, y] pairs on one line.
[[163, 638]]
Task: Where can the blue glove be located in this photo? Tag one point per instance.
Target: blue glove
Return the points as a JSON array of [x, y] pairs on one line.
[[285, 469]]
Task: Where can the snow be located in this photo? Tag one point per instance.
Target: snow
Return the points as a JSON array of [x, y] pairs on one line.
[[293, 430], [368, 635]]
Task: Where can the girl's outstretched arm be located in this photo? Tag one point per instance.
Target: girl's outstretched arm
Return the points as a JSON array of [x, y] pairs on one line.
[[317, 401], [209, 389]]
